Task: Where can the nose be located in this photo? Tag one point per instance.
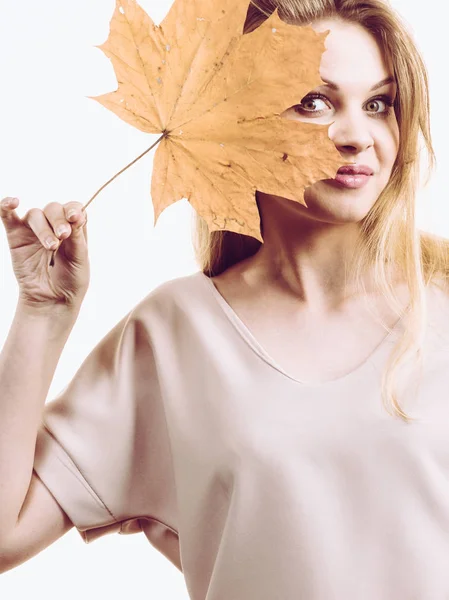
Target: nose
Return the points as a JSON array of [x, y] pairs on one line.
[[350, 133]]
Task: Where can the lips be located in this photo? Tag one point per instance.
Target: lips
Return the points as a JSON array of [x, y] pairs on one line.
[[355, 170]]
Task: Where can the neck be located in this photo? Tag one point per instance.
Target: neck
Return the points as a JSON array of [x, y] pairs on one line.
[[306, 257]]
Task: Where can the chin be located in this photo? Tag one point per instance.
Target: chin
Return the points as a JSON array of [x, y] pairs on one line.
[[326, 210], [322, 201]]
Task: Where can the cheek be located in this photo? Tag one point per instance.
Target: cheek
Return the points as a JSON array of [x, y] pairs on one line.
[[389, 142]]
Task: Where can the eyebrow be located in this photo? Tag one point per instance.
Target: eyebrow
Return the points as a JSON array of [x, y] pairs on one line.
[[389, 79]]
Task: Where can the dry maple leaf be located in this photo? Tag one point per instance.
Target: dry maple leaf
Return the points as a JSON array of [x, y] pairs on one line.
[[216, 95]]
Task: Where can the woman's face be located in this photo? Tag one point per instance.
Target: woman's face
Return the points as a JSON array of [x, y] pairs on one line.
[[363, 126]]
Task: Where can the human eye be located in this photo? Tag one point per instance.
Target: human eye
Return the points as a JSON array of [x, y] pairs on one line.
[[312, 98], [387, 100], [309, 99]]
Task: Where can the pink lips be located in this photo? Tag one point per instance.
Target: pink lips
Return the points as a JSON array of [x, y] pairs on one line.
[[355, 170], [353, 176]]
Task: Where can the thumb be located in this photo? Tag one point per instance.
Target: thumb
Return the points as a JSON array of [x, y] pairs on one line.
[[75, 246]]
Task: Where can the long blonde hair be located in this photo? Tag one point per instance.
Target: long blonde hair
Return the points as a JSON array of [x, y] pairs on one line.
[[389, 235]]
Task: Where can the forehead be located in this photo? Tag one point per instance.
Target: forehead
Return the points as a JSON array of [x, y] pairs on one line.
[[353, 56]]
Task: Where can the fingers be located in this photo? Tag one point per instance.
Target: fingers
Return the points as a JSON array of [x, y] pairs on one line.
[[74, 214], [55, 215], [77, 218], [8, 213], [36, 220], [53, 224]]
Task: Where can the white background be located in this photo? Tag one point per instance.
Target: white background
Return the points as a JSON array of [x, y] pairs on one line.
[[57, 145]]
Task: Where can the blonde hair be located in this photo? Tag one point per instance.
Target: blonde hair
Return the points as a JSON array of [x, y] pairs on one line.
[[388, 232]]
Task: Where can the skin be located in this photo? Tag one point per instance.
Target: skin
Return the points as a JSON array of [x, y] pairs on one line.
[[304, 252], [301, 264]]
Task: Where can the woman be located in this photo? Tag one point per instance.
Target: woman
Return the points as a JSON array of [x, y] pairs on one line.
[[237, 419]]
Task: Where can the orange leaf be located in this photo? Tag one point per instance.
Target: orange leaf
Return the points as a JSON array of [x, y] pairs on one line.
[[218, 95]]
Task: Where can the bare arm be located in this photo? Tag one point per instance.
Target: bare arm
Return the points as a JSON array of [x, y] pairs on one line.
[[28, 362], [49, 304]]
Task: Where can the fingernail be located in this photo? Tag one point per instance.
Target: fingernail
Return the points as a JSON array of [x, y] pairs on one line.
[[61, 230], [6, 203], [71, 214], [50, 243]]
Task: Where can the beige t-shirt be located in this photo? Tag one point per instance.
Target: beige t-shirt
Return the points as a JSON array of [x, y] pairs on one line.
[[255, 485]]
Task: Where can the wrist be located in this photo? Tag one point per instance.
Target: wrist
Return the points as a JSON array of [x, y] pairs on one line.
[[57, 314]]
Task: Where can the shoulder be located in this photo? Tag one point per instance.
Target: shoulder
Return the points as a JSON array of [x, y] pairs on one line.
[[438, 309], [180, 294], [438, 292]]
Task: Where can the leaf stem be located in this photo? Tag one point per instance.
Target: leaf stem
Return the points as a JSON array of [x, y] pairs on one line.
[[52, 260]]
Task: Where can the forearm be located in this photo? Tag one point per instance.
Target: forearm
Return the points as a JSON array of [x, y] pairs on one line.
[[28, 362]]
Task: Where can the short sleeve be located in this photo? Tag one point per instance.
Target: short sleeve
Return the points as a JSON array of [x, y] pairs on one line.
[[103, 448]]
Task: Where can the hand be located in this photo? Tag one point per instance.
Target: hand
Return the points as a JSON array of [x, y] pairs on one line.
[[41, 286]]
